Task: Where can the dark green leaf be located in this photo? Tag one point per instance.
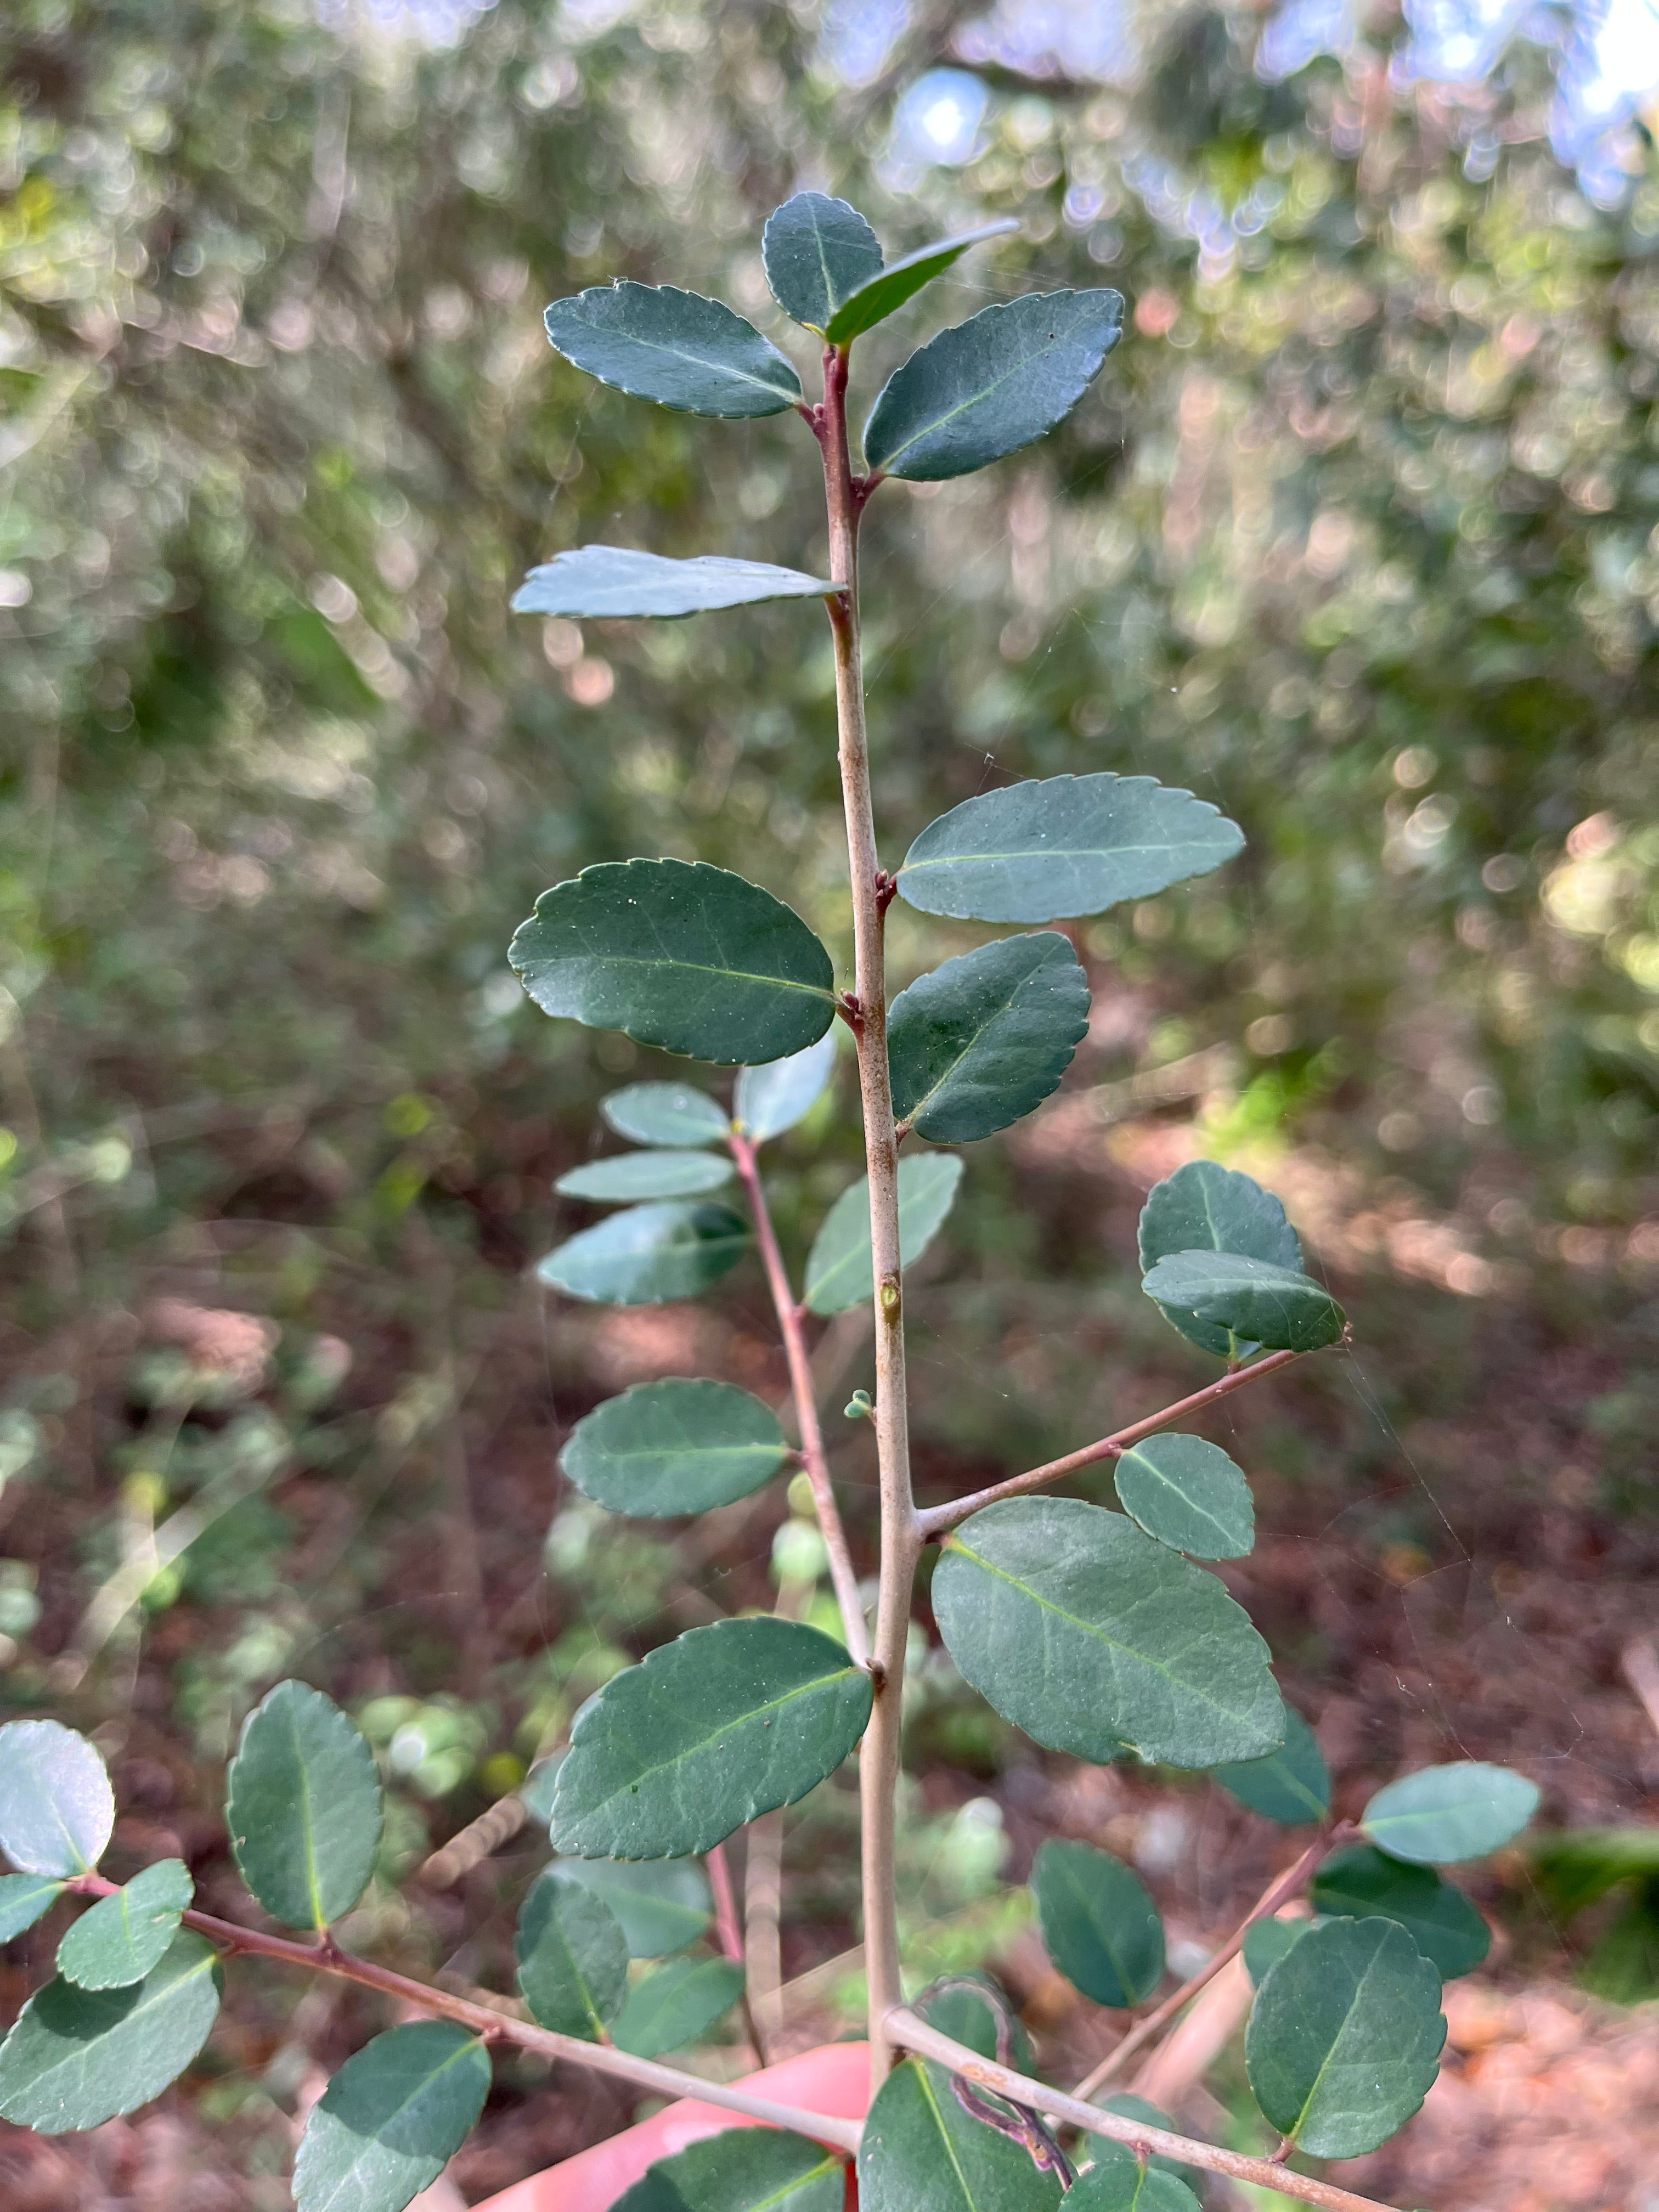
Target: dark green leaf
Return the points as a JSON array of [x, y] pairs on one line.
[[1099, 1923], [600, 583], [122, 1937], [922, 2152], [1115, 2180], [572, 1955], [77, 2057], [662, 1905], [57, 1808], [985, 1038], [1445, 1813], [838, 1270], [1265, 1943], [1271, 1306], [724, 1724], [666, 1114], [1204, 1208], [992, 384], [817, 252], [677, 2005], [677, 348], [773, 1098], [677, 954], [1067, 845], [1344, 2036], [627, 1177], [1094, 1637], [648, 1254], [674, 1447], [1291, 1785], [969, 2008], [1130, 2107], [745, 2170], [1189, 1494], [304, 1807], [1439, 1919], [392, 2119], [888, 289], [24, 1898]]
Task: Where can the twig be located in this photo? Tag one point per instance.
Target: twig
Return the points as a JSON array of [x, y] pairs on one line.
[[1640, 1663], [762, 1911], [730, 1932]]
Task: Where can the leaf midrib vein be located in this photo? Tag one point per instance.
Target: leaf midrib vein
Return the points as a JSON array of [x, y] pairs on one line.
[[704, 1743]]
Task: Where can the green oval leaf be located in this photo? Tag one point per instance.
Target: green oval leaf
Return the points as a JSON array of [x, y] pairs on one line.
[[724, 1724], [1204, 1208], [1344, 2036], [1130, 2107], [992, 384], [661, 1904], [840, 1272], [985, 1039], [666, 1114], [119, 1940], [922, 2152], [1099, 1923], [971, 2008], [889, 289], [655, 342], [304, 1807], [648, 1254], [572, 1955], [1265, 1943], [773, 1098], [57, 1808], [1115, 2180], [1093, 1638], [677, 2005], [1066, 845], [743, 2170], [1291, 1785], [77, 2057], [674, 1447], [608, 583], [1189, 1495], [677, 954], [392, 2119], [1439, 1919], [24, 1899], [1445, 1813], [628, 1177], [1272, 1307], [817, 252]]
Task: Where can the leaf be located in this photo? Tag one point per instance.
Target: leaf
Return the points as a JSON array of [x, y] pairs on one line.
[[1130, 2107], [1445, 1813], [1204, 1208], [648, 1254], [817, 252], [661, 1905], [677, 2005], [967, 2008], [1189, 1495], [1344, 2036], [985, 1039], [1291, 1785], [774, 1097], [1100, 1925], [119, 1940], [1094, 1638], [992, 384], [677, 348], [535, 1790], [57, 1808], [675, 1447], [888, 289], [1115, 2180], [922, 2152], [392, 2119], [1272, 1307], [304, 1807], [743, 2169], [677, 954], [603, 583], [572, 1955], [24, 1899], [724, 1724], [1439, 1919], [666, 1114], [1265, 1943], [77, 2057], [840, 1273], [629, 1176], [1067, 845]]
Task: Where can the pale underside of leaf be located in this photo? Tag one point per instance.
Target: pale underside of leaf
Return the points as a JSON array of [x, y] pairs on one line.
[[615, 583]]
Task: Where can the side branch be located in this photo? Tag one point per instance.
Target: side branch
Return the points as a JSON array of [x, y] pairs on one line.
[[939, 1518]]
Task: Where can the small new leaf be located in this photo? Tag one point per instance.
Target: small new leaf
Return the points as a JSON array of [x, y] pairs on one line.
[[57, 1808], [601, 583], [840, 1271], [986, 1038], [743, 2170], [1115, 2181], [1269, 1306], [649, 1255], [817, 252], [921, 2152], [773, 1098], [1439, 1919], [684, 351], [572, 1955], [1291, 1785], [1444, 1814], [661, 1904], [669, 1114], [24, 1899], [1188, 1494], [304, 1807], [77, 2057], [674, 1447], [1204, 1208], [628, 1177], [392, 2119], [1100, 1925], [677, 2005], [889, 287], [121, 1937]]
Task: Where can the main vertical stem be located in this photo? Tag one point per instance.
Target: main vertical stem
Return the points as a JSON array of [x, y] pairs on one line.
[[878, 1759]]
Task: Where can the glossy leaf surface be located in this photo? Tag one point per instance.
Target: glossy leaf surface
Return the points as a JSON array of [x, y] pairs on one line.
[[392, 2119], [677, 2005], [57, 1808], [666, 1114], [1115, 2180], [1204, 1208], [304, 1807], [572, 1957], [991, 385], [1099, 1923], [626, 1178], [677, 348], [77, 2057], [922, 2152], [1265, 1943], [745, 2170], [600, 583], [986, 1038], [24, 1899], [662, 1905], [1093, 1638], [776, 1097], [840, 1272], [1444, 1814], [649, 1255], [723, 1724], [1291, 1785], [1188, 1494], [1439, 1919], [1063, 846], [887, 289], [1268, 1305], [120, 1938], [817, 252], [968, 2007], [674, 1447]]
